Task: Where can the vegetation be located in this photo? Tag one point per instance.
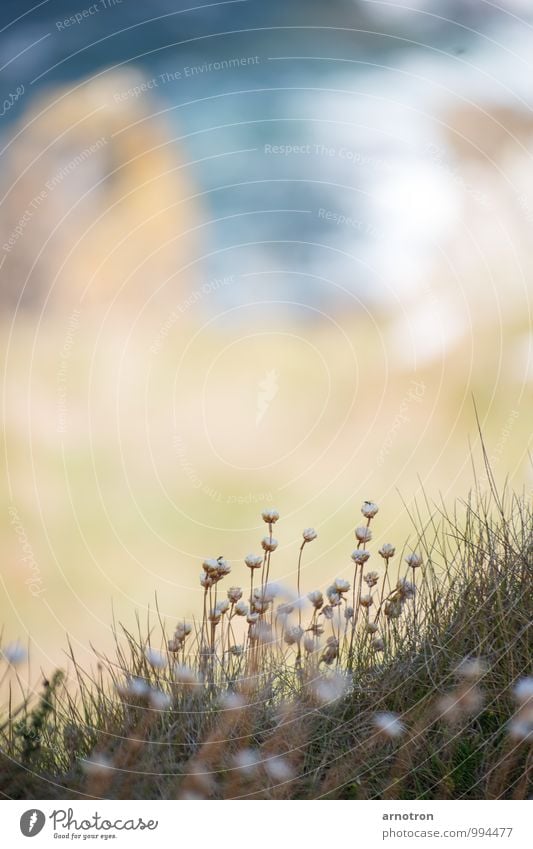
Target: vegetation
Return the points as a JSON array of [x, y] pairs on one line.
[[412, 680]]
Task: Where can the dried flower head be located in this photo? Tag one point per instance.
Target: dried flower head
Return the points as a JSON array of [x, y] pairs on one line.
[[183, 629], [414, 560], [185, 675], [348, 612], [387, 551], [270, 516], [309, 644], [406, 589], [371, 579], [369, 509], [14, 654], [237, 651], [96, 765], [279, 769], [372, 627], [340, 585], [293, 634], [222, 606], [285, 609], [252, 618], [523, 690], [327, 611], [393, 609], [471, 669], [363, 534], [378, 644], [366, 601], [388, 725], [309, 534], [211, 566], [155, 658], [234, 594], [331, 652], [241, 608], [253, 561], [360, 556], [316, 598], [159, 700], [328, 688], [269, 543], [334, 597]]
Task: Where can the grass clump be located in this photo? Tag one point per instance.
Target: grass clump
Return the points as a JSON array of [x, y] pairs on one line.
[[410, 678]]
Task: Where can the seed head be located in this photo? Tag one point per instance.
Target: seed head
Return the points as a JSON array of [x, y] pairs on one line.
[[309, 534], [252, 618], [214, 616], [369, 509], [363, 534], [387, 551]]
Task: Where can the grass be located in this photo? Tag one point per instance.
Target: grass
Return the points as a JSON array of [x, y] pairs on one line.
[[415, 695]]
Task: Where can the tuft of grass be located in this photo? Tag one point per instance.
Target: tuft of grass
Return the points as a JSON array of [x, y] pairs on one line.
[[398, 683]]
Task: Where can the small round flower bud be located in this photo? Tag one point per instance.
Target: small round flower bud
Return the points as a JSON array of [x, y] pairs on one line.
[[234, 594], [253, 561], [241, 608], [363, 534], [309, 534], [413, 560], [269, 543], [316, 598], [270, 516], [371, 579], [360, 556], [369, 509], [389, 725], [222, 606]]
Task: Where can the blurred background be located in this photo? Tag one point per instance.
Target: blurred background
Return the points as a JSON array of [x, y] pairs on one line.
[[252, 254]]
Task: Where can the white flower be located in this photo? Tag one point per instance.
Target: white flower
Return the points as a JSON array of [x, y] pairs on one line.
[[214, 616], [387, 551], [363, 534], [360, 556], [293, 635], [329, 688], [252, 618], [389, 725], [316, 598], [269, 544], [523, 690], [369, 509], [183, 629], [210, 566], [234, 594], [270, 516], [14, 654], [340, 585], [253, 561], [96, 764], [185, 675], [247, 760], [309, 534], [222, 606], [413, 560], [160, 700], [366, 600], [327, 611], [241, 608], [406, 589], [155, 658], [279, 769], [334, 597], [285, 609], [371, 579]]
